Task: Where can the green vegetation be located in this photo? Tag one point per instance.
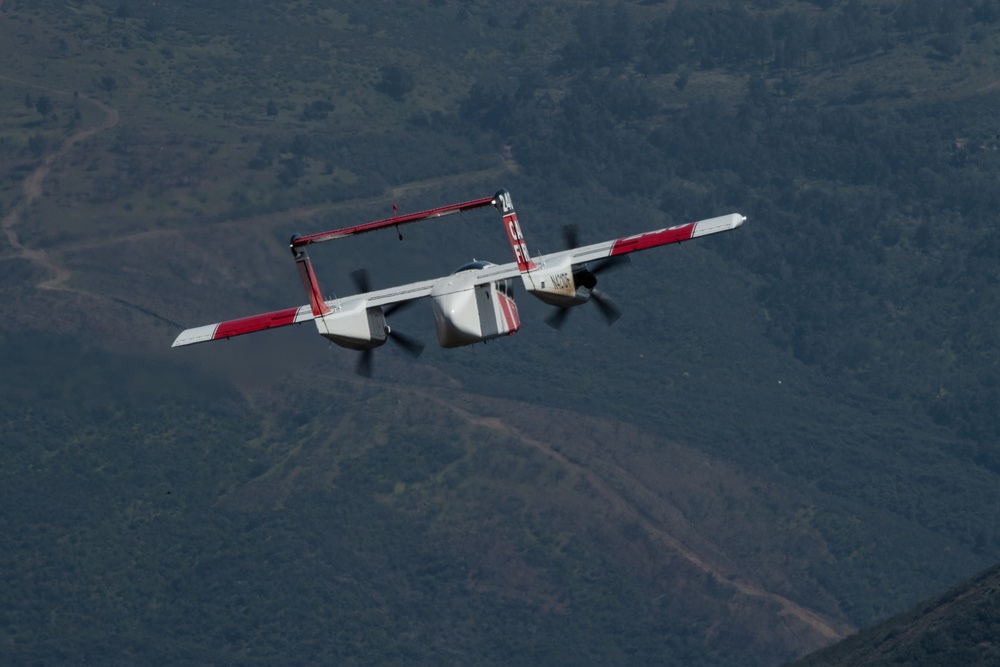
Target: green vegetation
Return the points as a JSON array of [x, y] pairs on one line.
[[809, 404], [150, 515]]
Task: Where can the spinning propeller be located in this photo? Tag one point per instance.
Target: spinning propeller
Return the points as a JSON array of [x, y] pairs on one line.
[[586, 279], [412, 346]]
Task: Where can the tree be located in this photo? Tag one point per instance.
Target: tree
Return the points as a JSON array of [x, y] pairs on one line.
[[317, 110], [292, 169], [396, 82], [109, 84], [43, 106], [123, 12], [272, 108]]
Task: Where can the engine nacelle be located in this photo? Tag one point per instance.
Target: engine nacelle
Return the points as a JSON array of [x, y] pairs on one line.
[[356, 328], [562, 285], [466, 313]]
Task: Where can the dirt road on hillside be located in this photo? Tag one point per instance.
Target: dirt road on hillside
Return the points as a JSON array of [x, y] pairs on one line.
[[32, 189], [825, 627]]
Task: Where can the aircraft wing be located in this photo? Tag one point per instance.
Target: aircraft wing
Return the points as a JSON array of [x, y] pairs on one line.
[[245, 325], [390, 295], [493, 272], [630, 244], [281, 318]]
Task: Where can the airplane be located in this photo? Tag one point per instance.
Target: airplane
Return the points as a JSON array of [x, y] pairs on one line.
[[473, 304]]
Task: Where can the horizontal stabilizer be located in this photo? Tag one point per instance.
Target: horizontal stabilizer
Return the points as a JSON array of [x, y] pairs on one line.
[[395, 221], [278, 318]]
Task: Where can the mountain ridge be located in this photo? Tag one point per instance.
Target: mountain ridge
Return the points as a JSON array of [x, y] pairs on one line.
[[958, 627]]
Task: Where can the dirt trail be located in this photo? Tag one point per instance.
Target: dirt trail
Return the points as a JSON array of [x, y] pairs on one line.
[[32, 190], [826, 627]]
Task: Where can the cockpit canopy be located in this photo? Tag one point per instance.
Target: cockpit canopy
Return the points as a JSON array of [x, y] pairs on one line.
[[474, 265]]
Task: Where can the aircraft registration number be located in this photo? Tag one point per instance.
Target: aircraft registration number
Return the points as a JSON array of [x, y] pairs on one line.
[[561, 280]]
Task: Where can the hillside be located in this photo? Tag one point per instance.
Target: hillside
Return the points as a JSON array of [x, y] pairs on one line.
[[330, 519], [958, 628], [791, 433]]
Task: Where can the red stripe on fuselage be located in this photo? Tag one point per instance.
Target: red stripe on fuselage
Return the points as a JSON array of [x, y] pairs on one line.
[[652, 239], [510, 315], [278, 318]]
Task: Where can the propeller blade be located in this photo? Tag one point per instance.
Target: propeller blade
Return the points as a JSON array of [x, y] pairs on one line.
[[606, 305], [615, 262], [398, 306], [364, 367], [361, 280], [570, 238], [558, 318], [412, 346]]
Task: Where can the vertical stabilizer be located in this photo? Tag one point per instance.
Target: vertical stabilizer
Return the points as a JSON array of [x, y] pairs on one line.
[[308, 277], [504, 204]]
